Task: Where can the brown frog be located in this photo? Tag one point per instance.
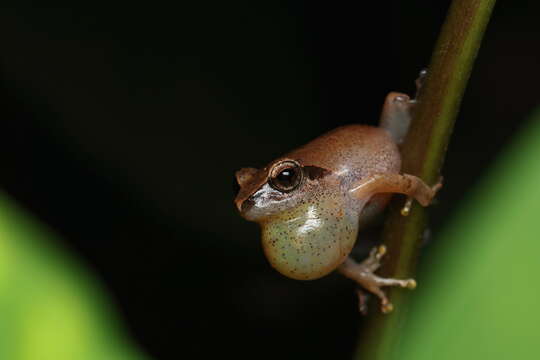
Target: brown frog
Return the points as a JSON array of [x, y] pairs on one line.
[[311, 202]]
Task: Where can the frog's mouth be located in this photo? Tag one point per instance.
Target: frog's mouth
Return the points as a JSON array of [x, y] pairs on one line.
[[247, 205]]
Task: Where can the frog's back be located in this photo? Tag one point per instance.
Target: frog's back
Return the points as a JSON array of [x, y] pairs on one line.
[[352, 151]]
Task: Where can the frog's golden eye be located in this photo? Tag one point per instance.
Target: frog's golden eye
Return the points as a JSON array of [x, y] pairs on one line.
[[286, 176]]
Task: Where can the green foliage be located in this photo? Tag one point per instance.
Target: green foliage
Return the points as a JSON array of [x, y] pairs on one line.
[[51, 309], [479, 297]]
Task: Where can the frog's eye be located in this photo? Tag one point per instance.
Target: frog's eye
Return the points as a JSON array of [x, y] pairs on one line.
[[286, 176]]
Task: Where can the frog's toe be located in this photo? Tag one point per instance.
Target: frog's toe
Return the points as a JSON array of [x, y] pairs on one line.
[[411, 284], [387, 308]]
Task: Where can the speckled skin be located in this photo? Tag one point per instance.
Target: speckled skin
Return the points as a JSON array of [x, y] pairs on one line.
[[352, 152], [311, 240], [309, 232]]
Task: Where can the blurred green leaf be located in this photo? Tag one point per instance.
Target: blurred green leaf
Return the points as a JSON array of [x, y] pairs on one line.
[[50, 307], [479, 298]]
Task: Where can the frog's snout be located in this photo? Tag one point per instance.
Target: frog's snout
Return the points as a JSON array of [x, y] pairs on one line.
[[245, 183]]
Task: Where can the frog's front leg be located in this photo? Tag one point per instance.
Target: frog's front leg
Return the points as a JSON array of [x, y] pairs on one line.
[[363, 274], [409, 185]]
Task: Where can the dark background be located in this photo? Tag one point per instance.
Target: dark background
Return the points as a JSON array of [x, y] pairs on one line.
[[122, 125]]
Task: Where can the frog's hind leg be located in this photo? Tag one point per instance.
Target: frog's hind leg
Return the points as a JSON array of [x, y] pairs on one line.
[[396, 115], [363, 274], [397, 111]]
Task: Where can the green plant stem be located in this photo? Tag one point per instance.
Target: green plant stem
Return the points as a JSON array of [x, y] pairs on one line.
[[423, 155]]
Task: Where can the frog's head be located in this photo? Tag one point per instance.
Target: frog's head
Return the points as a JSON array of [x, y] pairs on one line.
[[305, 231], [280, 186]]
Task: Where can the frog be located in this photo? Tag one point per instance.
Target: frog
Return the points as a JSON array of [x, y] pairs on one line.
[[312, 202]]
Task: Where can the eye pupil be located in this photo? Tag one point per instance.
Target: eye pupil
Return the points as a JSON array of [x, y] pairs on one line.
[[286, 176]]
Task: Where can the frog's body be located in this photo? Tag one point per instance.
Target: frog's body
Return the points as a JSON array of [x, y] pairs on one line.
[[314, 237], [311, 202], [351, 152]]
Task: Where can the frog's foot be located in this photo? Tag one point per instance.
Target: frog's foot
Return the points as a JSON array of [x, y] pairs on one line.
[[406, 209], [362, 301], [363, 274]]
